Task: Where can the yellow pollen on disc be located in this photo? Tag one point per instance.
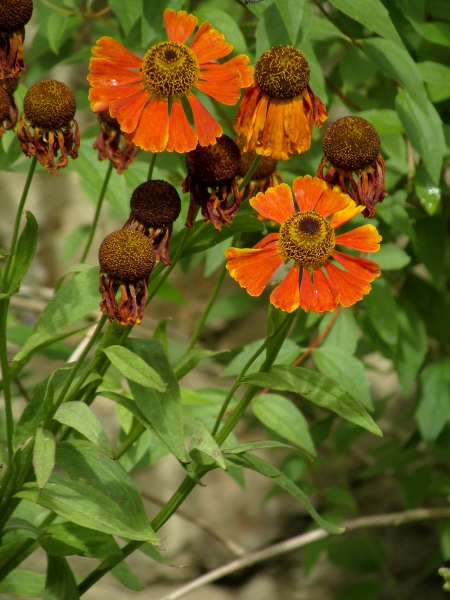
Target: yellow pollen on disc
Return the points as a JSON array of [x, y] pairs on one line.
[[170, 69], [307, 238]]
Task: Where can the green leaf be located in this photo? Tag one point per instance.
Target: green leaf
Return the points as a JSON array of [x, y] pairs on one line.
[[437, 32], [225, 23], [23, 256], [289, 352], [66, 539], [381, 308], [356, 554], [412, 345], [431, 244], [282, 416], [373, 15], [424, 130], [60, 583], [126, 577], [203, 448], [19, 528], [343, 333], [43, 455], [428, 193], [191, 359], [23, 583], [391, 257], [259, 445], [78, 416], [433, 411], [291, 12], [127, 13], [278, 478], [395, 62], [437, 79], [74, 300], [134, 368], [346, 370], [163, 410], [316, 388], [271, 30]]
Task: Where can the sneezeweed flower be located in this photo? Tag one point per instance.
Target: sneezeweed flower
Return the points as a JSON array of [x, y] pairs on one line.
[[126, 259], [14, 15], [308, 238], [138, 91], [111, 144], [351, 147], [155, 206], [278, 111], [212, 182], [264, 176], [47, 125]]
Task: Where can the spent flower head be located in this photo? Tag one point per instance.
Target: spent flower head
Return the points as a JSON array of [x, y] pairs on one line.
[[47, 125], [111, 143], [14, 15]]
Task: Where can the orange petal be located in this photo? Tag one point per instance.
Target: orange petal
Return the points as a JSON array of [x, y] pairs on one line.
[[331, 201], [110, 93], [208, 44], [223, 81], [345, 215], [348, 287], [325, 298], [253, 268], [108, 48], [274, 141], [206, 127], [297, 127], [307, 191], [287, 294], [105, 73], [365, 238], [179, 25], [182, 138], [128, 110], [275, 204], [152, 131], [360, 267], [244, 121]]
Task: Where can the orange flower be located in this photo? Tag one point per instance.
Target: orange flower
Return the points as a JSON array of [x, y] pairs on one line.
[[278, 111], [137, 91], [308, 237]]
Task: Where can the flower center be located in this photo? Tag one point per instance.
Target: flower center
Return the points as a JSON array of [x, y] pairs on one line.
[[126, 255], [282, 72], [155, 203], [307, 238], [170, 69], [216, 164], [351, 143], [49, 104]]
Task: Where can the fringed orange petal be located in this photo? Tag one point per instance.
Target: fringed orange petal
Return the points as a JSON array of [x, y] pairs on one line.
[[325, 298], [109, 93], [224, 87], [208, 44], [206, 127], [331, 201], [244, 121], [253, 268], [287, 294], [182, 138], [110, 49], [307, 191], [241, 64], [105, 73], [147, 135], [297, 127], [365, 238], [360, 267], [275, 204], [345, 215], [348, 287], [128, 110], [179, 25], [272, 138]]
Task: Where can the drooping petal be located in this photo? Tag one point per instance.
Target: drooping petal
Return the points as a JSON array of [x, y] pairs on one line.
[[206, 127], [243, 124], [208, 44], [272, 138], [275, 204], [345, 215], [182, 138], [287, 294], [253, 268], [114, 52], [365, 238], [325, 298], [179, 25], [307, 191], [297, 127], [360, 267], [224, 81], [348, 287], [147, 135], [306, 291], [128, 110]]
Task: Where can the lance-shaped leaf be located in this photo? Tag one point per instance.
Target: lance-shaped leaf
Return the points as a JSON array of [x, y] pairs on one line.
[[60, 582], [43, 455], [203, 448], [23, 255], [134, 368]]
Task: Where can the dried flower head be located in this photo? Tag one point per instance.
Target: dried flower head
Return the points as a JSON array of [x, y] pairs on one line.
[[155, 206], [14, 15], [352, 160], [212, 182], [47, 124], [126, 259], [111, 143], [278, 111]]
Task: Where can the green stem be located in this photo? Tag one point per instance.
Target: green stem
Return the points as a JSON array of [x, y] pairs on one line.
[[6, 379], [250, 172], [151, 166], [16, 227], [201, 322], [132, 437], [98, 208]]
